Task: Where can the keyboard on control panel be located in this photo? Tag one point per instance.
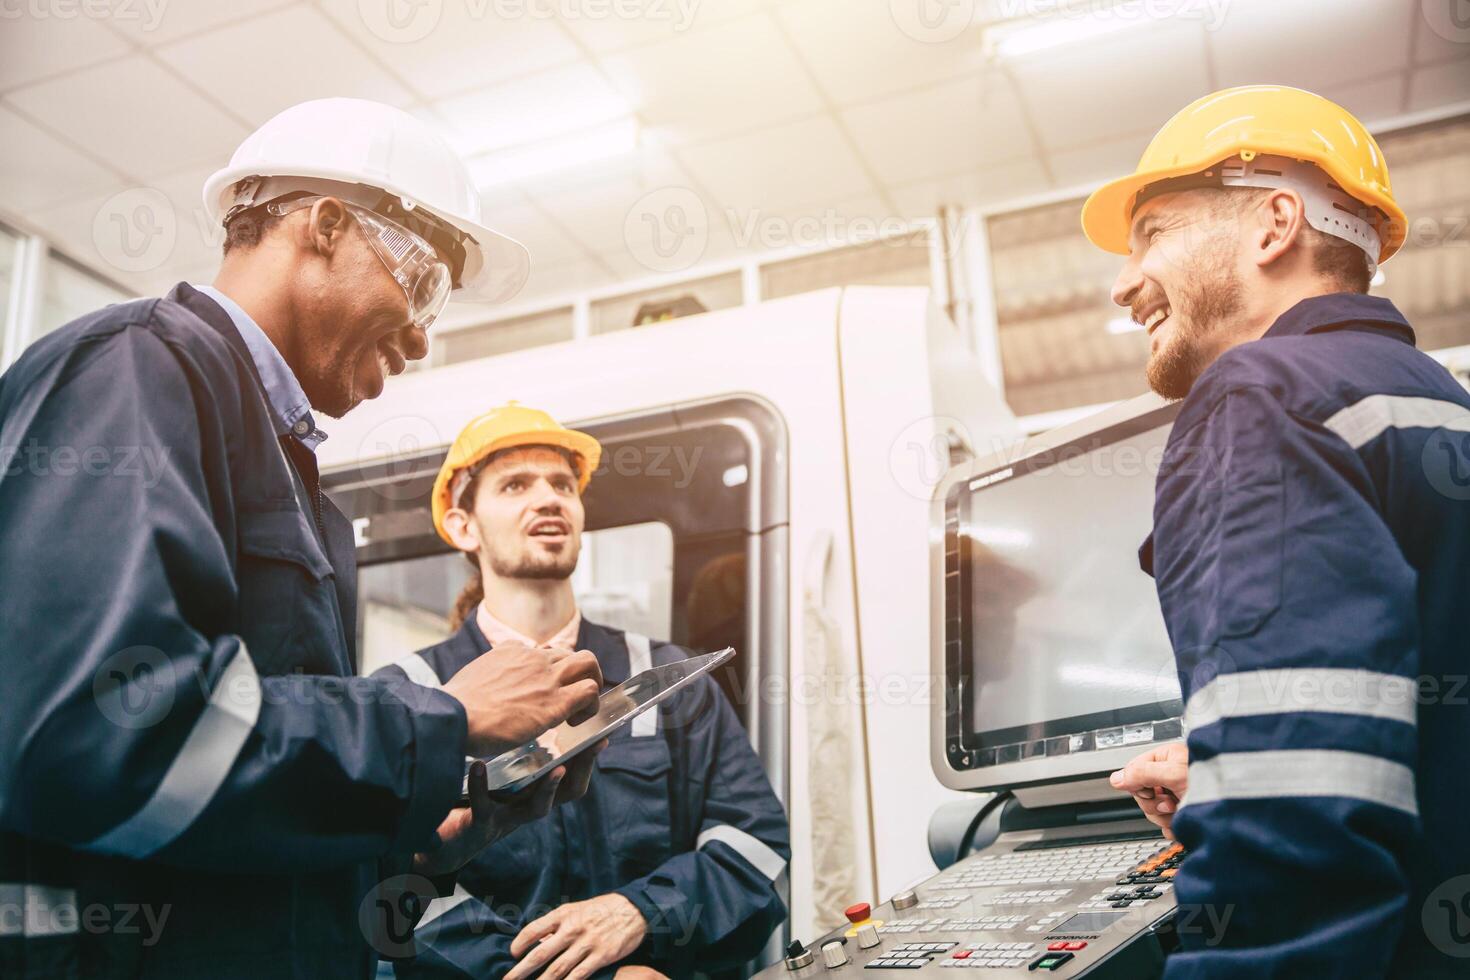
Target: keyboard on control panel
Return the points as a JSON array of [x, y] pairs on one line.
[[1087, 862]]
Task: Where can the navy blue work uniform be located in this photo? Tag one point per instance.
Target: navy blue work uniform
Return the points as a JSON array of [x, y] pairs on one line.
[[192, 782], [679, 818], [1311, 548]]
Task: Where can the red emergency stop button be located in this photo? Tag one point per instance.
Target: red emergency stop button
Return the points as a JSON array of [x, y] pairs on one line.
[[861, 912]]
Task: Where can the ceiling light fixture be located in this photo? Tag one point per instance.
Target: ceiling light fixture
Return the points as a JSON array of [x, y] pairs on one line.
[[1071, 23], [555, 155]]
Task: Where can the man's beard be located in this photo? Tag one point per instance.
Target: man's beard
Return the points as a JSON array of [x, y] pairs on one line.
[[548, 567], [1202, 308]]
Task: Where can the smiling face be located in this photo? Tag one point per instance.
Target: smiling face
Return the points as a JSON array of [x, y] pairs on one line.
[[357, 330], [526, 515], [1183, 283]]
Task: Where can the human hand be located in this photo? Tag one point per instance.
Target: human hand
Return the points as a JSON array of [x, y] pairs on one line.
[[1157, 779], [638, 973], [514, 693], [578, 939]]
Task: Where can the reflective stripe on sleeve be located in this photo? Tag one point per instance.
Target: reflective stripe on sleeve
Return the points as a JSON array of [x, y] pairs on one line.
[[1289, 773], [37, 910], [1363, 421], [419, 671], [1330, 690], [757, 853], [640, 658], [199, 769]]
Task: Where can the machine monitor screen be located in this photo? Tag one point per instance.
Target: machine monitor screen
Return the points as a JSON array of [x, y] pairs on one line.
[[1052, 628]]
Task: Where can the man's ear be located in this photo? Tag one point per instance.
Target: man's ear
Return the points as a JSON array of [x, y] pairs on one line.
[[1276, 225], [326, 226], [462, 530]]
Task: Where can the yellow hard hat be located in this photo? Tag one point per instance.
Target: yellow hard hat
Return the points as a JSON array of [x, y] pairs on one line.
[[507, 427], [1247, 122]]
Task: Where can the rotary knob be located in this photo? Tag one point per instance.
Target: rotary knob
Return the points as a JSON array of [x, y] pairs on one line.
[[798, 956], [833, 954], [868, 937], [905, 900]]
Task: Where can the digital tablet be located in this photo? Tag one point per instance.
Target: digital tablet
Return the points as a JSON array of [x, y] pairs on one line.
[[510, 772]]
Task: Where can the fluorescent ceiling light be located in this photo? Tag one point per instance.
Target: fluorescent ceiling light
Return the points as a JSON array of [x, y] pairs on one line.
[[530, 110], [1123, 324], [555, 155], [1069, 24]]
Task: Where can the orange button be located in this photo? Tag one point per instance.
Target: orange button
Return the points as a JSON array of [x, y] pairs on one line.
[[1168, 872], [860, 912]]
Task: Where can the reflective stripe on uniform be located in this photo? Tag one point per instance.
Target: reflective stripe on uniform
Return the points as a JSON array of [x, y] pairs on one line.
[[756, 852], [199, 769], [1289, 773], [640, 658], [1365, 420], [419, 671], [1271, 692], [37, 910]]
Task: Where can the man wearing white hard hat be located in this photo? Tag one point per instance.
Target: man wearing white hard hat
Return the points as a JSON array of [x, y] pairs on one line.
[[192, 780]]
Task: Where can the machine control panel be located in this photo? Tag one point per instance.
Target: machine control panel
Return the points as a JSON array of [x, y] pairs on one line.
[[1048, 902]]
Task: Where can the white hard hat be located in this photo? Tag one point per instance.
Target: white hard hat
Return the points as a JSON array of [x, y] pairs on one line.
[[354, 141]]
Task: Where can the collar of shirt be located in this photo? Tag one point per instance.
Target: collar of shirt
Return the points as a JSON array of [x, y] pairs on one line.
[[1336, 310], [498, 633], [288, 403]]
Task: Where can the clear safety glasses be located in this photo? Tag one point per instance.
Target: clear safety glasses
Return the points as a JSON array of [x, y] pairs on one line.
[[411, 261]]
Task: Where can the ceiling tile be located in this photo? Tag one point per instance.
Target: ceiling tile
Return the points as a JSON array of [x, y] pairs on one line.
[[531, 108], [545, 241], [151, 22], [138, 115], [1442, 85], [710, 83], [609, 27], [982, 186], [941, 129], [143, 233], [322, 63], [448, 48], [1371, 99], [36, 47], [1133, 79], [858, 52], [1264, 41], [595, 211], [37, 169], [1090, 165], [783, 166]]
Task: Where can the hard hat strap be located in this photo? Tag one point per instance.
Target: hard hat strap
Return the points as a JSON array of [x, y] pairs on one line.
[[253, 192], [1329, 208]]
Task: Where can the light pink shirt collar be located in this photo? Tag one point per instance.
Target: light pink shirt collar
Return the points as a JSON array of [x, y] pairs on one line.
[[498, 633]]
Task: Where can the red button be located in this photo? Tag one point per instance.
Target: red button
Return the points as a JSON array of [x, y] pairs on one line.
[[1056, 946], [1073, 947], [963, 954], [860, 912]]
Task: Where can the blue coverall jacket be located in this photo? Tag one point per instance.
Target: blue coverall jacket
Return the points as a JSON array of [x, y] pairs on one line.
[[679, 818], [192, 783], [1311, 548]]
